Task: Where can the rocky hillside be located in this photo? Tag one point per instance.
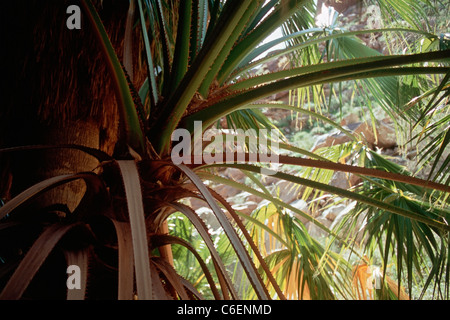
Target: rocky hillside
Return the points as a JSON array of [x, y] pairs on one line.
[[379, 134]]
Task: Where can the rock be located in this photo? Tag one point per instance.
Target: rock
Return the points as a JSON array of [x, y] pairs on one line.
[[354, 180], [340, 180], [383, 137], [300, 204], [288, 191], [411, 155], [207, 215], [226, 191], [365, 131], [196, 204], [246, 207], [253, 198], [341, 211], [316, 231], [332, 212], [387, 137], [282, 96], [351, 118], [329, 140], [391, 152], [263, 204], [269, 180], [357, 229], [235, 174], [344, 180]]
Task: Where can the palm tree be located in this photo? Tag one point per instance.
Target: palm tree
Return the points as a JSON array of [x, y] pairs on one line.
[[104, 104]]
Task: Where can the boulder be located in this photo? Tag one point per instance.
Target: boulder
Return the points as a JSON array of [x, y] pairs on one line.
[[207, 215], [334, 211], [253, 198], [315, 231], [234, 174], [340, 180], [349, 119], [196, 204], [288, 191], [300, 204], [269, 180], [344, 180], [329, 140], [226, 191], [387, 137], [246, 207], [384, 135], [357, 228], [341, 211]]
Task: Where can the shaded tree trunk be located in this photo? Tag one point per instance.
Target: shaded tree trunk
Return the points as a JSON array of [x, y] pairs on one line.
[[58, 92]]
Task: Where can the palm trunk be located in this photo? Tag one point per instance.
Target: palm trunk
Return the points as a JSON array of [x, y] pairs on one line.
[[60, 93]]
